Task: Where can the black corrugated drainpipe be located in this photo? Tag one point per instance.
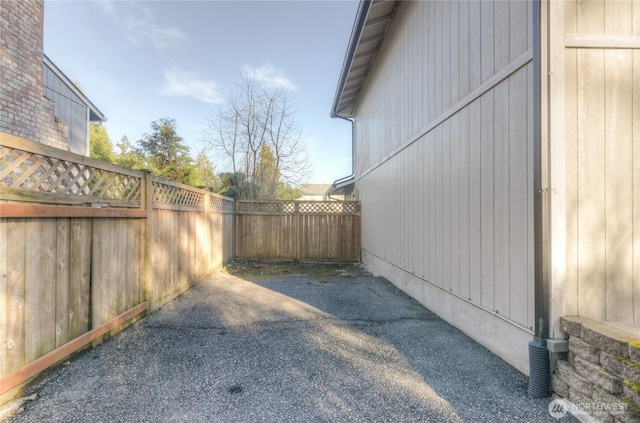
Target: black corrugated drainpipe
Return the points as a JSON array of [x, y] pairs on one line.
[[539, 366]]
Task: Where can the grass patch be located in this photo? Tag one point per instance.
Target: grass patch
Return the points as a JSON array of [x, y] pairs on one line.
[[271, 270]]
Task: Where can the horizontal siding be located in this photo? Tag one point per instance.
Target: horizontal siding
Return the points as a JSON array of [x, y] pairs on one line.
[[452, 202]]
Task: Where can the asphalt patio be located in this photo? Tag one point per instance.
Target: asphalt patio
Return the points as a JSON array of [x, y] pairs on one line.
[[287, 343]]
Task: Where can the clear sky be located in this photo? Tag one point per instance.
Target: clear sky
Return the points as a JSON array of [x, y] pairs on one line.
[[139, 61]]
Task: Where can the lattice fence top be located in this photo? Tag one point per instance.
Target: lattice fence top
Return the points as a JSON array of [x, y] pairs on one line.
[[33, 172], [220, 204], [298, 207], [175, 196]]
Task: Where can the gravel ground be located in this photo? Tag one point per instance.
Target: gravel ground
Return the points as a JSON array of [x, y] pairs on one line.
[[288, 349]]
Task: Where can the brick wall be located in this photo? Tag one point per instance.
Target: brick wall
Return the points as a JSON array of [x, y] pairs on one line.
[[24, 111], [601, 373]]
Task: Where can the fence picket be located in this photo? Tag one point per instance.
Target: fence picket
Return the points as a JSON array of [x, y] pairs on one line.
[[74, 266], [303, 230]]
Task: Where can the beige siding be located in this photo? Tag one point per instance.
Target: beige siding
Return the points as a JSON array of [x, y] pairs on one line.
[[443, 157], [602, 91]]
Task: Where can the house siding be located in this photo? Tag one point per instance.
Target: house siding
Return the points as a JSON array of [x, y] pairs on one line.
[[601, 129], [444, 166], [70, 109]]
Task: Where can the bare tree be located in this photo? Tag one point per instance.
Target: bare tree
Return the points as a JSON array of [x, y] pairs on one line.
[[252, 118]]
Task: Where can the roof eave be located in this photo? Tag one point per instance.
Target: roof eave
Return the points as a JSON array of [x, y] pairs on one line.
[[356, 32], [370, 27]]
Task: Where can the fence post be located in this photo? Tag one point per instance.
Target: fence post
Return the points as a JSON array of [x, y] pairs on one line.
[[298, 217], [233, 230], [146, 202], [207, 228]]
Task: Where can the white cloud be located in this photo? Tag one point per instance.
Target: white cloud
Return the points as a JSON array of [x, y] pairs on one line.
[[143, 30], [270, 77], [182, 83]]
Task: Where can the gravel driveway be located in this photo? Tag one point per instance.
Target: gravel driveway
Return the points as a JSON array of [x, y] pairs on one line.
[[291, 348]]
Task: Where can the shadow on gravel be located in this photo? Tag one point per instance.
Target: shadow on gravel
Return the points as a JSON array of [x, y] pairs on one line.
[[288, 348]]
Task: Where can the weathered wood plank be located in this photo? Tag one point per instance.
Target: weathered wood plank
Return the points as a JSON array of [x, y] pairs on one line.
[[182, 234], [62, 259], [287, 236], [32, 369], [16, 294], [57, 198], [79, 275], [35, 210], [105, 270], [40, 288], [139, 295], [174, 257], [45, 150], [4, 298], [127, 279]]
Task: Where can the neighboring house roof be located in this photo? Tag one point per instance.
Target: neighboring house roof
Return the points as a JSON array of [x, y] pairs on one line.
[[372, 20], [95, 115], [314, 189]]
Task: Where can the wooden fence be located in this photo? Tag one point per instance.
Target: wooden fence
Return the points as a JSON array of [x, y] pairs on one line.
[[86, 246], [305, 230]]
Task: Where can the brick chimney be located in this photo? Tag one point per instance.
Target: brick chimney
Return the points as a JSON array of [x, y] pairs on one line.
[[24, 110]]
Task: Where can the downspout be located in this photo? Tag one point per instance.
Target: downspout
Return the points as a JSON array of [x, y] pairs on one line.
[[353, 151], [539, 364]]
